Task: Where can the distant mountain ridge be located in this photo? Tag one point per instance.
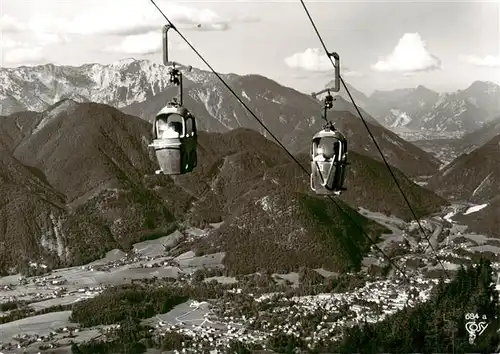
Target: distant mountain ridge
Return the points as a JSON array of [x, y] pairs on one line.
[[298, 119], [141, 88], [117, 84], [473, 176], [447, 150], [84, 175], [413, 112], [420, 112], [481, 136]]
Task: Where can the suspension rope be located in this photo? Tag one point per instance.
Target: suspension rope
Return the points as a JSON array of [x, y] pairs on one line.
[[221, 79], [374, 140]]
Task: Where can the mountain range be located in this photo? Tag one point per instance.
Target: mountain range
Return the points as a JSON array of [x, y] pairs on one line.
[[74, 155], [414, 113], [75, 180], [79, 180], [141, 88], [447, 150], [474, 177]]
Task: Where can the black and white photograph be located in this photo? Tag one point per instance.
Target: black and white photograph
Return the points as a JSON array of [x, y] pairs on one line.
[[249, 176]]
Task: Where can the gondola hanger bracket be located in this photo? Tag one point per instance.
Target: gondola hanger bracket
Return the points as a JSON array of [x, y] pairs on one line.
[[329, 126], [175, 73]]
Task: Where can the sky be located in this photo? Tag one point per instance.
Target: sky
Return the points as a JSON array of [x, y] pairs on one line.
[[385, 45]]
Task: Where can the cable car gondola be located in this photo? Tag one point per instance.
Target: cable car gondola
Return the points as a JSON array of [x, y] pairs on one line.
[[174, 128], [329, 149], [328, 161]]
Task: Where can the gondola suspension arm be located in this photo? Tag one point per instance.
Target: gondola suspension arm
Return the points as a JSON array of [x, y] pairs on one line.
[[328, 100], [175, 74]]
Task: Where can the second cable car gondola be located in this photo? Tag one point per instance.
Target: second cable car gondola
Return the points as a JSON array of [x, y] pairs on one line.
[[328, 161], [174, 128], [329, 148]]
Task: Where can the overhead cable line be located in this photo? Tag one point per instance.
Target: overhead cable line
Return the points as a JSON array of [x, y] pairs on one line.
[[373, 138], [221, 79]]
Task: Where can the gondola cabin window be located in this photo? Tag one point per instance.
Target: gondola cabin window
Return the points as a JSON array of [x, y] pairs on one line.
[[170, 126], [190, 128], [326, 149]]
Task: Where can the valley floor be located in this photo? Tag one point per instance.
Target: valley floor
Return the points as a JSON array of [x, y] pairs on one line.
[[214, 323]]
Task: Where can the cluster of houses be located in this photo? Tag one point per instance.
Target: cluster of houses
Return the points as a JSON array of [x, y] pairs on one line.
[[372, 303], [43, 342]]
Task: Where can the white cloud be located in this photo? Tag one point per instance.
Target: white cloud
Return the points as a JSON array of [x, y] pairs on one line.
[[19, 53], [490, 61], [126, 17], [24, 56], [245, 19], [47, 31], [147, 43], [316, 61], [141, 44], [41, 31], [409, 56], [351, 73], [312, 59], [9, 24], [50, 38], [8, 43], [118, 17]]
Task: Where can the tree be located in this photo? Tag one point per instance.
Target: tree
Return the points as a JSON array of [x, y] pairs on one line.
[[284, 343], [237, 347], [199, 275], [174, 340], [75, 349], [309, 277]]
